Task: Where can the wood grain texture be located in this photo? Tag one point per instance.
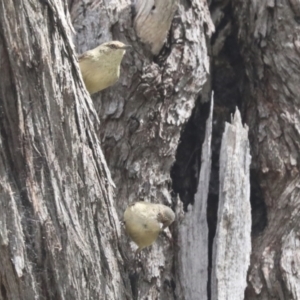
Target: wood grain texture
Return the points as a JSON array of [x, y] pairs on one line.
[[58, 224], [232, 242], [152, 21], [193, 230]]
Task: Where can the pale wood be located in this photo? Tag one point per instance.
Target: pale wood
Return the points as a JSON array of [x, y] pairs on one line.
[[232, 242], [193, 230], [152, 21]]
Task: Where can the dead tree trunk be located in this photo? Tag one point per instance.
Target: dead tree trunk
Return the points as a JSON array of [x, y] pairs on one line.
[[192, 256], [232, 243]]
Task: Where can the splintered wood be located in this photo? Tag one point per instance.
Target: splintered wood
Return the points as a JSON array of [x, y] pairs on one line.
[[193, 232], [232, 243]]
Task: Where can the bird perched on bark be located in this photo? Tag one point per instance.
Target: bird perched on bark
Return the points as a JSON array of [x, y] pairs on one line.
[[144, 221], [100, 67]]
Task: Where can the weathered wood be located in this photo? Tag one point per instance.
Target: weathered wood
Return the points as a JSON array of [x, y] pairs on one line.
[[193, 230], [58, 225], [232, 242], [152, 21]]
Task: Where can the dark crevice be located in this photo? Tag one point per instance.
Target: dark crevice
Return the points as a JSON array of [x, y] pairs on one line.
[[258, 205], [136, 272], [185, 171], [212, 211], [134, 280], [164, 53]]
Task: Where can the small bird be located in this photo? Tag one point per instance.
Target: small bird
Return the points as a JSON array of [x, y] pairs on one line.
[[100, 67], [144, 221]]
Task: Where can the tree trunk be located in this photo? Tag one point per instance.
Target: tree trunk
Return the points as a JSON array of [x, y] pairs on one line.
[[256, 63], [143, 114], [272, 65], [59, 230], [59, 223]]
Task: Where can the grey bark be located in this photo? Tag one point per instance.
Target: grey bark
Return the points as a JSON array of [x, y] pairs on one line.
[[232, 242], [143, 114], [265, 36], [58, 225], [272, 65]]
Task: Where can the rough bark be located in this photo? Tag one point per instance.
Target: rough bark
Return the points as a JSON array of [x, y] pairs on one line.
[[270, 49], [260, 42], [59, 230], [142, 116], [58, 225], [232, 242]]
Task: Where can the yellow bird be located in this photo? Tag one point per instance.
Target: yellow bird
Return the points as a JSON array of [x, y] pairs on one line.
[[144, 221], [100, 67]]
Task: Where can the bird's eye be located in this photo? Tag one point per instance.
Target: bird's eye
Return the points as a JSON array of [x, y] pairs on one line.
[[153, 7], [113, 46]]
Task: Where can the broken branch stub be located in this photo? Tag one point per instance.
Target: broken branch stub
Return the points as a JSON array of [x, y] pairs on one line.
[[232, 242], [153, 20]]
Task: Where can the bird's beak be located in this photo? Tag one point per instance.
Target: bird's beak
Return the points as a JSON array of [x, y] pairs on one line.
[[126, 47]]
